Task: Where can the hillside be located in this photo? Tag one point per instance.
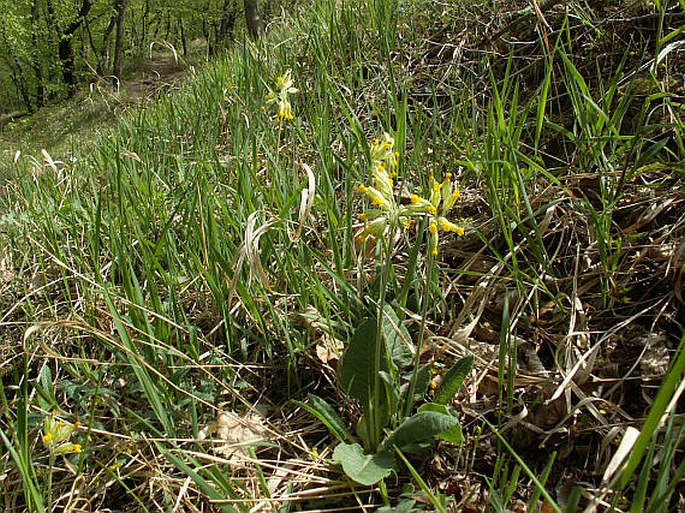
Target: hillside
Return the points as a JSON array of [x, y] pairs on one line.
[[392, 256]]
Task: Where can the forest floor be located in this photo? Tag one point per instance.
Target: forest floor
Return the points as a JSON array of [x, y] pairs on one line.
[[70, 127]]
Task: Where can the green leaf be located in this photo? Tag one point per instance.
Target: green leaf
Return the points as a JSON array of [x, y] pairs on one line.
[[397, 338], [357, 371], [453, 380], [403, 506], [423, 380], [326, 414], [365, 469], [453, 434], [420, 427]]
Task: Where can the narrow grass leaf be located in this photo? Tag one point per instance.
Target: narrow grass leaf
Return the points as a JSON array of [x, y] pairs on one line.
[[435, 500], [656, 412], [32, 494]]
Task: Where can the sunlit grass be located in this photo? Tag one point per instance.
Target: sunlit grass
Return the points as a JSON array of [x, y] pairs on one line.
[[203, 257]]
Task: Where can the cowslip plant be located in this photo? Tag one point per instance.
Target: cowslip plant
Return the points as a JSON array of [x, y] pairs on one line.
[[56, 439], [279, 97], [381, 367], [56, 435]]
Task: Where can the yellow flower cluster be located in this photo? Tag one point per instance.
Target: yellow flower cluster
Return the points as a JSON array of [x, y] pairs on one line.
[[385, 211], [442, 199], [56, 434], [284, 86]]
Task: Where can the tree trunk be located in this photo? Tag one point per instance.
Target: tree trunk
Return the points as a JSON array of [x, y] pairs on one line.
[[254, 21], [66, 49], [145, 22], [20, 83], [182, 34], [119, 42], [37, 64], [104, 57], [66, 57], [227, 22]]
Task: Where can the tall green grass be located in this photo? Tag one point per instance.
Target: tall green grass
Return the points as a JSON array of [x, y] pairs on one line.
[[164, 271]]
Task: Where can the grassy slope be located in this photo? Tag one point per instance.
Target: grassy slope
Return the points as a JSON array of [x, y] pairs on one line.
[[158, 281]]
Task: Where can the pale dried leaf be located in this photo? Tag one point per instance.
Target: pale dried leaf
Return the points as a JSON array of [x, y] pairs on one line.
[[626, 445], [655, 360], [235, 432]]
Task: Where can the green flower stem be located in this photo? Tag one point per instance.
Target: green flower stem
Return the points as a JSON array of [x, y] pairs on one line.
[[430, 274], [51, 468], [375, 429]]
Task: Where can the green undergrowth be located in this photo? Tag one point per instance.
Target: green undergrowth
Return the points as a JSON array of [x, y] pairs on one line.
[[66, 130], [179, 295]]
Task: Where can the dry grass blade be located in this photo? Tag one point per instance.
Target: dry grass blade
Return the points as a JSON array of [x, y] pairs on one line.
[[306, 202]]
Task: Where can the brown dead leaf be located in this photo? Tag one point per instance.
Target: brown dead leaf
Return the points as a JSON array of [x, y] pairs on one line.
[[235, 433]]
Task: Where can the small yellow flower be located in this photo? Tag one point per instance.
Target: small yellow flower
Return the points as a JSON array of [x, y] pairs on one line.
[[420, 205], [280, 97], [375, 228], [383, 154], [68, 448], [442, 199], [390, 212], [56, 434]]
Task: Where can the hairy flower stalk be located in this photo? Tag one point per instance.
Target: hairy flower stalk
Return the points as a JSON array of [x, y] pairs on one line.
[[279, 97]]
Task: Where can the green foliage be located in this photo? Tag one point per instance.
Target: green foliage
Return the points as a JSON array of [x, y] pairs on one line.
[[192, 263], [357, 374], [365, 469], [453, 380], [381, 397]]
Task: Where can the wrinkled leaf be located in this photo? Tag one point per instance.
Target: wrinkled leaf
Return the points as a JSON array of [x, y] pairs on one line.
[[453, 434], [357, 371], [404, 506], [423, 380], [365, 469], [453, 380], [420, 427], [397, 338]]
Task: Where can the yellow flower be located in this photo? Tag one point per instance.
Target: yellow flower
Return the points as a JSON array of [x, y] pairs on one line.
[[280, 97], [448, 226], [68, 448], [375, 228], [56, 434], [442, 199], [390, 213], [383, 154]]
